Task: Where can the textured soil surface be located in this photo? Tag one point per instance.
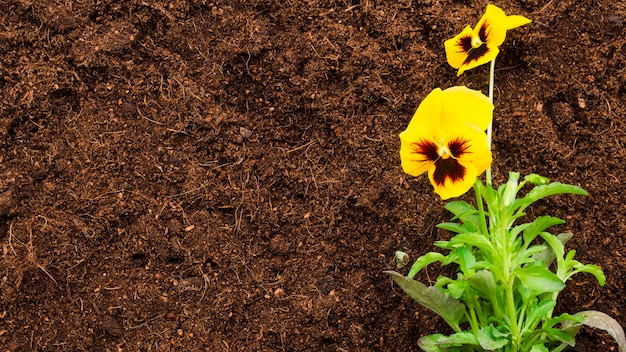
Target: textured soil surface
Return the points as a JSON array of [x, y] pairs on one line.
[[224, 175]]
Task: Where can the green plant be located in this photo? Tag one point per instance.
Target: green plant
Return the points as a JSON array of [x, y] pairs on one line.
[[510, 272], [504, 291]]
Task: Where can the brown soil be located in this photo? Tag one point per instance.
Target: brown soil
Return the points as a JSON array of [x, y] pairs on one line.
[[224, 176]]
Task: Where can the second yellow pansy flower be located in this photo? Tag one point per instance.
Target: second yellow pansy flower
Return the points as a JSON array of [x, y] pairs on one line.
[[477, 46]]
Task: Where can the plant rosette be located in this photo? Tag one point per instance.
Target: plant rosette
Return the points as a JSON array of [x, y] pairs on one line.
[[509, 274], [504, 293]]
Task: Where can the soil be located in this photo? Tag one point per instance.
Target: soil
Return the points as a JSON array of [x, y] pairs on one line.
[[224, 175]]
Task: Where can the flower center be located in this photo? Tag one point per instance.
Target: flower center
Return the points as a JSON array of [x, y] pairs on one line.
[[476, 42], [444, 152]]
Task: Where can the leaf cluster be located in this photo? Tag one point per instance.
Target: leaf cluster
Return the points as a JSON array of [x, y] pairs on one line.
[[509, 273]]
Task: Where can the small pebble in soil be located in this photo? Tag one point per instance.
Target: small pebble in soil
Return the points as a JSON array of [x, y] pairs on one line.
[[245, 133], [402, 259]]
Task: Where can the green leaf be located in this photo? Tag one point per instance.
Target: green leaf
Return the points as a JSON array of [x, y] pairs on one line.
[[474, 239], [540, 192], [466, 261], [466, 213], [454, 227], [528, 255], [555, 244], [548, 255], [482, 281], [566, 320], [508, 191], [539, 312], [439, 342], [517, 229], [539, 225], [450, 309], [554, 188], [424, 261], [460, 208], [491, 339], [539, 348], [592, 269], [559, 335], [442, 281], [457, 288], [539, 279], [536, 179]]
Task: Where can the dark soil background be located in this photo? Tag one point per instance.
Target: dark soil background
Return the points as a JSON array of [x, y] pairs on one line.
[[225, 176]]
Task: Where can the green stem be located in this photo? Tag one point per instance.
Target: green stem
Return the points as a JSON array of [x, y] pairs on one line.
[[515, 338], [473, 321], [508, 280], [490, 128]]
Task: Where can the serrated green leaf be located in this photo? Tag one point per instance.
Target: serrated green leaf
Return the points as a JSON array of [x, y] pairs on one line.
[[424, 261], [459, 208], [592, 269], [539, 279], [450, 309], [491, 339], [474, 239], [454, 227], [539, 225], [542, 191], [466, 213]]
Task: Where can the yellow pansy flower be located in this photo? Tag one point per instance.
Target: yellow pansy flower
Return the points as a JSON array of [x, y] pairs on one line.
[[477, 46], [446, 138]]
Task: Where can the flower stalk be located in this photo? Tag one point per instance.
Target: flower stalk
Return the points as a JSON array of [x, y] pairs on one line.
[[492, 67]]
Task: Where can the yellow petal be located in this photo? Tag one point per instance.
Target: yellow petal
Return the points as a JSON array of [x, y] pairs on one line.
[[428, 108], [412, 163], [456, 51], [424, 128], [491, 54], [492, 26], [471, 156], [451, 189], [461, 105], [515, 21], [478, 153]]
